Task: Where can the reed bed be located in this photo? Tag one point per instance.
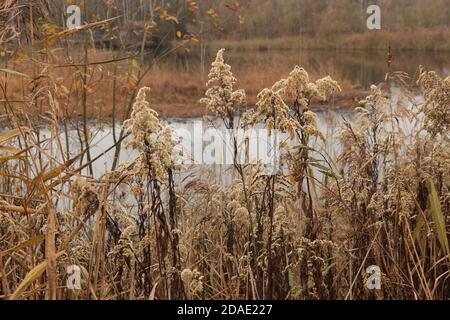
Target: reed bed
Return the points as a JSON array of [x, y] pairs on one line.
[[308, 231]]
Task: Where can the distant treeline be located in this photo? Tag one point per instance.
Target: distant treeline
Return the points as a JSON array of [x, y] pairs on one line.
[[169, 20], [278, 18]]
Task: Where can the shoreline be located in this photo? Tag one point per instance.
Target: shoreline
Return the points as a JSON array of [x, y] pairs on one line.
[[419, 39]]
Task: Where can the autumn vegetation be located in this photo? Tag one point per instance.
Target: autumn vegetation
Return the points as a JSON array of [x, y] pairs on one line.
[[374, 192]]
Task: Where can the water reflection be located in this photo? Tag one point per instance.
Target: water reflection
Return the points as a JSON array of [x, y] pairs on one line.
[[358, 67]]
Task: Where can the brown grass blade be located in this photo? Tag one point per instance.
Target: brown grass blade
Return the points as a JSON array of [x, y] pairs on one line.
[[438, 217], [12, 133], [33, 275], [28, 243], [50, 254], [17, 209]]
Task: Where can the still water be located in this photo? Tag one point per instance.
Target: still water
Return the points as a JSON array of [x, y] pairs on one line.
[[361, 68], [192, 134], [328, 122], [358, 67]]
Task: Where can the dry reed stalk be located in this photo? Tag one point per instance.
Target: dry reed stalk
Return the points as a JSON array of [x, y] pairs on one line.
[[25, 210], [50, 254]]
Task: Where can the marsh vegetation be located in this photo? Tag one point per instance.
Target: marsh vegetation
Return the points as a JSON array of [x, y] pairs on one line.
[[89, 176]]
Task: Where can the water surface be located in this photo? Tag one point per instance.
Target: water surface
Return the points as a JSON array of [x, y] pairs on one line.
[[358, 67]]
